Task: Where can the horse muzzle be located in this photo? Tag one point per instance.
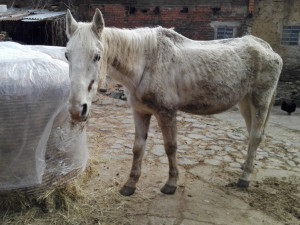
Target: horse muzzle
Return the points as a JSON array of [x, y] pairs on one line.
[[78, 118], [79, 115]]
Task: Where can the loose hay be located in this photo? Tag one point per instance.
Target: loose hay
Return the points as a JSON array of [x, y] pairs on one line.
[[277, 198], [68, 204]]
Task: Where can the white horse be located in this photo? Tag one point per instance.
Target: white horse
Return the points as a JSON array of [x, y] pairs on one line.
[[165, 72]]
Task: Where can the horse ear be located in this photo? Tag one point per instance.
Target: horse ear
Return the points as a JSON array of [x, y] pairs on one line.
[[71, 24], [98, 22]]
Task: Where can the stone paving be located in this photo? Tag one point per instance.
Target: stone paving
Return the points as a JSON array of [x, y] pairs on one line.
[[201, 139], [205, 144]]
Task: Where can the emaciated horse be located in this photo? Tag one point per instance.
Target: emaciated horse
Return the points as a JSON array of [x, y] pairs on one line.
[[165, 72]]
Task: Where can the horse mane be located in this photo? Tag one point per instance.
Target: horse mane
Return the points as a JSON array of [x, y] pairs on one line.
[[123, 42], [129, 42]]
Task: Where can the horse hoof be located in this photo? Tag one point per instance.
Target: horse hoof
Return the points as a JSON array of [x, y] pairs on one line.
[[127, 191], [168, 190], [243, 183]]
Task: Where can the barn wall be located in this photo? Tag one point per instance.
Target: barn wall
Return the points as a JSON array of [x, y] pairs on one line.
[[190, 18], [270, 18]]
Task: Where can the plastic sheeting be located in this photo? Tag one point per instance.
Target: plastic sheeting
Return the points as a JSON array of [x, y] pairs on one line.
[[37, 141]]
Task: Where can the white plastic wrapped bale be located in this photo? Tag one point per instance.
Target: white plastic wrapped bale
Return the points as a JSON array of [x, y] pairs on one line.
[[39, 147]]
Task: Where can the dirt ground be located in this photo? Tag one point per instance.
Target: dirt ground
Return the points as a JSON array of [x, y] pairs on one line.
[[210, 152]]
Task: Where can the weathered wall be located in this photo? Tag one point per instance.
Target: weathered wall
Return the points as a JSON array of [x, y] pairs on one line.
[[270, 17], [48, 4], [191, 18]]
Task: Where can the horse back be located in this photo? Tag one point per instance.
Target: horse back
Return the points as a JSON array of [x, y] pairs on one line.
[[207, 77]]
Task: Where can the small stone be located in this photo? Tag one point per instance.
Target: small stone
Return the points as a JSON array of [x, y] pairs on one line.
[[219, 132], [211, 124], [208, 152], [230, 149], [222, 153], [297, 160], [200, 126], [127, 121], [240, 160], [293, 150], [186, 139], [236, 136], [128, 151], [210, 135], [215, 148], [185, 161], [213, 162], [121, 103], [179, 118], [131, 131], [258, 164], [235, 165], [291, 163], [112, 150], [196, 136], [158, 141], [128, 146], [120, 142], [218, 158], [191, 120], [227, 158], [280, 155], [158, 150], [222, 143], [261, 155], [274, 162], [164, 160], [244, 152], [275, 142], [116, 146], [184, 147]]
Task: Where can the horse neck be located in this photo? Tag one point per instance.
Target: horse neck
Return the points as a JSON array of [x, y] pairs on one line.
[[125, 50]]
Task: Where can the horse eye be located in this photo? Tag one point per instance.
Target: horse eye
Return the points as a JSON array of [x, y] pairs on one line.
[[97, 57], [66, 55]]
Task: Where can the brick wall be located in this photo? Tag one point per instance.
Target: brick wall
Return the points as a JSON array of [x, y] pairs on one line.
[[191, 19], [251, 6]]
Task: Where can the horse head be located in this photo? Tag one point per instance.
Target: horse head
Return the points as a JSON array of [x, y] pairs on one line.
[[83, 52]]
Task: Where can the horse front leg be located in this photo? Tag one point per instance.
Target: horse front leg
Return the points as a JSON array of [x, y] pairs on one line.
[[167, 123], [142, 122]]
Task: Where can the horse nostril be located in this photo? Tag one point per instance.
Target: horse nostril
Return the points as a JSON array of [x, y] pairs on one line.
[[84, 109]]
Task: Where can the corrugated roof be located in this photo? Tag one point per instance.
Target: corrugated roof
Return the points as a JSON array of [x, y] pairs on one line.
[[13, 14], [29, 15], [42, 15]]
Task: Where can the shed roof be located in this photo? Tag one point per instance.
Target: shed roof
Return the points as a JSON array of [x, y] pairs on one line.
[[29, 15]]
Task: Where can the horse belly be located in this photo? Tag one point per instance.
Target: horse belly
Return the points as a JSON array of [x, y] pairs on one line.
[[205, 98], [200, 108]]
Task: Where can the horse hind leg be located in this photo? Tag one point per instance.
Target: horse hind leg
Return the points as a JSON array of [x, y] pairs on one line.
[[260, 111], [245, 110], [142, 122]]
